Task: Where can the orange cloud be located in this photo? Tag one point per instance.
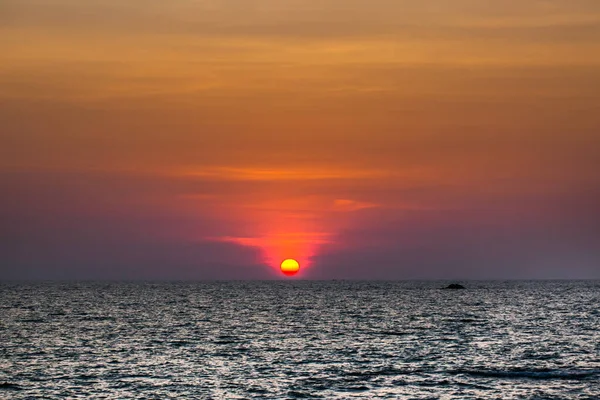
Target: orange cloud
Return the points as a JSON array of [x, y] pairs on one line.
[[346, 205], [282, 174]]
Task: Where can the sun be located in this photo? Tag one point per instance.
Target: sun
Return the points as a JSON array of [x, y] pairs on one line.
[[290, 267]]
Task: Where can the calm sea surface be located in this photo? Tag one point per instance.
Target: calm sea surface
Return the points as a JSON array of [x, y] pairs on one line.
[[229, 340]]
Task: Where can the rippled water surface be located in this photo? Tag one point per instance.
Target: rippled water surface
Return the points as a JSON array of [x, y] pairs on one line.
[[300, 340]]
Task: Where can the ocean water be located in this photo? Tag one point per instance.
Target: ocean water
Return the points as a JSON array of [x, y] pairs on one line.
[[278, 340]]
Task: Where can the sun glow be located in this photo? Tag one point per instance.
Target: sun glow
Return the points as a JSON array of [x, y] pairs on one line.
[[290, 267]]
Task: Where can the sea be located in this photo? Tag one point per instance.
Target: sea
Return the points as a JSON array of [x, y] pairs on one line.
[[300, 340]]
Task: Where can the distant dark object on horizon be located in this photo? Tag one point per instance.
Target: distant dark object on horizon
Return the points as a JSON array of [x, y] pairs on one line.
[[455, 286]]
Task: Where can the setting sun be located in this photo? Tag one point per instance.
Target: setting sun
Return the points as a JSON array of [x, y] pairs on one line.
[[290, 267]]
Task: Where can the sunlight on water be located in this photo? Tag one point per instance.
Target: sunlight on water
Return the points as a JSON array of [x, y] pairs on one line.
[[509, 340]]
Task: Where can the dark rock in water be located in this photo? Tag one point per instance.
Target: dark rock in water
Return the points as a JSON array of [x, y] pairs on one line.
[[455, 286]]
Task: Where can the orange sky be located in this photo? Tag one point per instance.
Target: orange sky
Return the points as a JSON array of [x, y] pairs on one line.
[[295, 125]]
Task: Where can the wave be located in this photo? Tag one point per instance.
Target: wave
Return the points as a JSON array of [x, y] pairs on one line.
[[96, 318], [32, 320], [393, 333], [9, 386], [532, 374], [384, 372]]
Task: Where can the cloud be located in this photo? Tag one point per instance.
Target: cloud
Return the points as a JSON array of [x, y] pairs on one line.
[[522, 243], [282, 174], [300, 19], [346, 205], [279, 238], [105, 226]]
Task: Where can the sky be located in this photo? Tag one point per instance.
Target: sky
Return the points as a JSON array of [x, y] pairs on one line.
[[368, 139]]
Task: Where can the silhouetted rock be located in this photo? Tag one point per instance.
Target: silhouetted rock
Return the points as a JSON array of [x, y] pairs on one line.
[[455, 286]]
